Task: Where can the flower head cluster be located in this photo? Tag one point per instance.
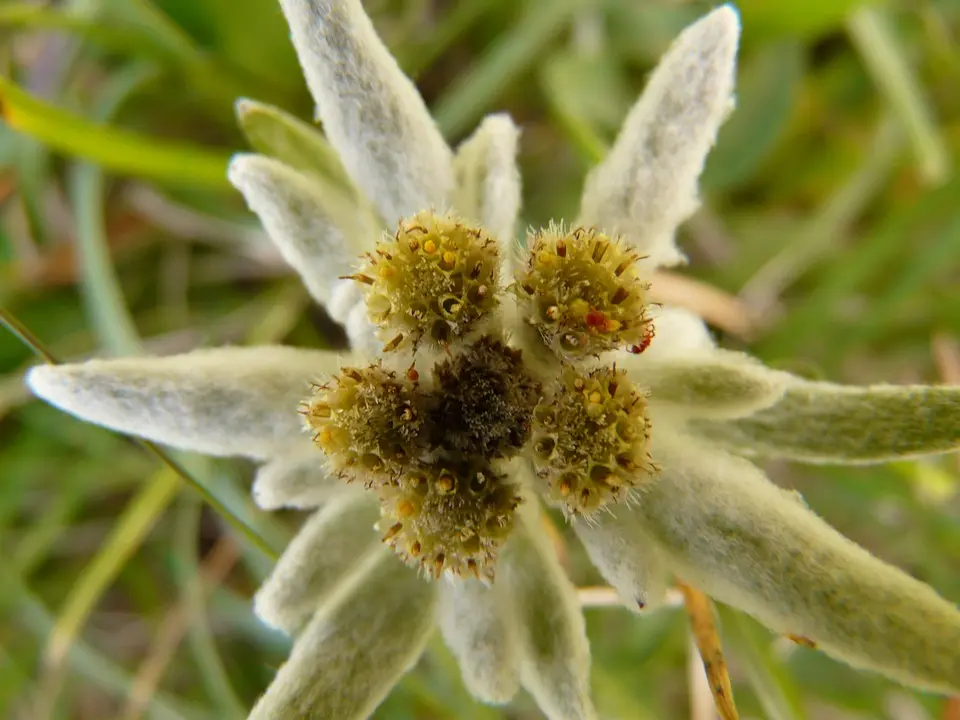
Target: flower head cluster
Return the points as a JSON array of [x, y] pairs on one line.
[[432, 441], [430, 448], [480, 382]]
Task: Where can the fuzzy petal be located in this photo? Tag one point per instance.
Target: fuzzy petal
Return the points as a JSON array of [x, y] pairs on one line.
[[356, 647], [225, 401], [554, 651], [712, 384], [730, 532], [647, 185], [331, 544], [278, 134], [314, 236], [371, 113], [479, 632], [626, 556], [296, 479], [678, 333], [488, 183], [826, 423]]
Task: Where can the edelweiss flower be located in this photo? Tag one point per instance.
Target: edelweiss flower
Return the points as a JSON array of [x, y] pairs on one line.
[[482, 378]]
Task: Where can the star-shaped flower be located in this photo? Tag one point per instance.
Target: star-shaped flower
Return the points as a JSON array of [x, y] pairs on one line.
[[482, 379]]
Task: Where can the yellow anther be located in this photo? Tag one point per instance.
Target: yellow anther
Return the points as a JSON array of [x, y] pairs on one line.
[[445, 484]]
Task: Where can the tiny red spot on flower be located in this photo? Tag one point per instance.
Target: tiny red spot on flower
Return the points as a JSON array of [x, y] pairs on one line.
[[595, 319]]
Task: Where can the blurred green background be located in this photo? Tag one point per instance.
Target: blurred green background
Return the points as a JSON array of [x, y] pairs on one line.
[[829, 244]]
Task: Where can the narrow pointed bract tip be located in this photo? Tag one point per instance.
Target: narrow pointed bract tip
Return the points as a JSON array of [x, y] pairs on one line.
[[243, 105], [41, 379], [725, 18], [239, 166], [717, 33]]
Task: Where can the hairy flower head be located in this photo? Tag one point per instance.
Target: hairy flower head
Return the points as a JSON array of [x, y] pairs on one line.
[[582, 291], [435, 279], [591, 439]]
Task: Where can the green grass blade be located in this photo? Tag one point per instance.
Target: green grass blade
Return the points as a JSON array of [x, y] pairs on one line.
[[202, 642], [126, 537], [513, 53], [820, 235], [125, 38], [762, 18], [885, 58], [121, 151], [924, 263], [83, 659], [106, 308], [779, 696]]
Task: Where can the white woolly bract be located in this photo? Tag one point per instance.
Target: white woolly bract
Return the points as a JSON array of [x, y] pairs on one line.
[[626, 556], [488, 184], [554, 650], [708, 384], [224, 401], [371, 113], [278, 134], [818, 422], [478, 629], [677, 333], [296, 215], [297, 479], [329, 546], [647, 185], [731, 533], [356, 647]]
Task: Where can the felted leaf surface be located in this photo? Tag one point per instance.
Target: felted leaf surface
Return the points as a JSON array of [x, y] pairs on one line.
[[225, 401], [330, 545], [296, 479], [357, 646], [317, 239], [827, 423], [626, 556], [479, 632], [712, 384], [647, 184], [729, 531], [554, 650], [372, 114], [278, 134], [488, 183]]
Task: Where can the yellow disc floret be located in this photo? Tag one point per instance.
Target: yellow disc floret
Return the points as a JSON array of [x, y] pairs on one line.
[[582, 292], [434, 279], [450, 517], [590, 439], [368, 421]]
